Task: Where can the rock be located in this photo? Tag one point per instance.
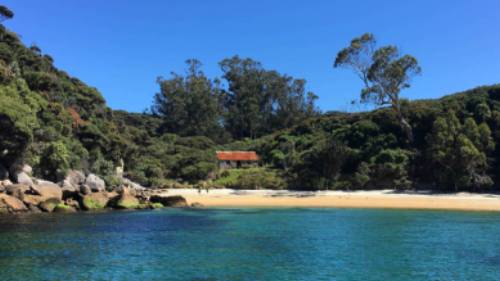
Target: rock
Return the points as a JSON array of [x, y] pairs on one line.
[[41, 182], [17, 190], [126, 200], [85, 189], [97, 200], [69, 191], [73, 203], [169, 201], [132, 185], [5, 183], [75, 178], [27, 169], [62, 208], [196, 205], [95, 183], [23, 178], [49, 205], [32, 200], [48, 190], [71, 184], [43, 203], [156, 206], [34, 209], [10, 204]]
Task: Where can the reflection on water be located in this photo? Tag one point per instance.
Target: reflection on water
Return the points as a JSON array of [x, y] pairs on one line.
[[252, 244]]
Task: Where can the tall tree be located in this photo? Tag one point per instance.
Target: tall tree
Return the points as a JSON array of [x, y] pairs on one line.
[[260, 101], [5, 13], [459, 152], [190, 105], [383, 71]]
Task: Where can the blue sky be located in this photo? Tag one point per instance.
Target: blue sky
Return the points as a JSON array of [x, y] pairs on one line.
[[120, 47]]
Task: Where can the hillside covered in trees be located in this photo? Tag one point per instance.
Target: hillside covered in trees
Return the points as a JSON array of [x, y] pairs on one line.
[[55, 122]]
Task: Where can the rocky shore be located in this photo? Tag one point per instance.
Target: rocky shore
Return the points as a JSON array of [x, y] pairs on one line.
[[77, 192]]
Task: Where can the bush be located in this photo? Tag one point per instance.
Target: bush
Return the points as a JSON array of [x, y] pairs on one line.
[[54, 162], [389, 169], [251, 178]]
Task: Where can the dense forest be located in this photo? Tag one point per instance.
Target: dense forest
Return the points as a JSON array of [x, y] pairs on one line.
[[55, 122]]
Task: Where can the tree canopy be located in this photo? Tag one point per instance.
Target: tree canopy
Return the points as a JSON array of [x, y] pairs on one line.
[[383, 71]]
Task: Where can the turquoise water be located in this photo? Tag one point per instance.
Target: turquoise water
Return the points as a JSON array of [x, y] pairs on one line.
[[252, 244]]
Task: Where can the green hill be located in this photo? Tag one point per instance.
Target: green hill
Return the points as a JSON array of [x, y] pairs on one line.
[[55, 122]]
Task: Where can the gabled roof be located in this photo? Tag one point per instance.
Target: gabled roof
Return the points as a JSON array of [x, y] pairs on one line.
[[237, 156]]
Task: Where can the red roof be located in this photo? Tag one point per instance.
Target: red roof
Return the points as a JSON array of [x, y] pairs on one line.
[[237, 156]]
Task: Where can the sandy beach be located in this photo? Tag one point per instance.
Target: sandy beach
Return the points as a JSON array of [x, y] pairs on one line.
[[340, 199]]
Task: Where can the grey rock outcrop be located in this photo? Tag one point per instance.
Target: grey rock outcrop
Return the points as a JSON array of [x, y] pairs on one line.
[[169, 201], [95, 183], [23, 178]]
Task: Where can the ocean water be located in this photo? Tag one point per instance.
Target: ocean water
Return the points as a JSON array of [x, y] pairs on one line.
[[252, 244]]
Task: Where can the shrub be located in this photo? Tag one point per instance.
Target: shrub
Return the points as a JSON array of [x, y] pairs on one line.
[[54, 162], [251, 178]]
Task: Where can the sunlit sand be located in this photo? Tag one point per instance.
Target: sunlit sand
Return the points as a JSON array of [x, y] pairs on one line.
[[340, 199]]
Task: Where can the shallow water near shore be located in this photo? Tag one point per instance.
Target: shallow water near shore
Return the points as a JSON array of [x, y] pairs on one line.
[[252, 244]]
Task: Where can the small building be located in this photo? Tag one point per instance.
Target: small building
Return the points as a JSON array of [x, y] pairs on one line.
[[237, 159]]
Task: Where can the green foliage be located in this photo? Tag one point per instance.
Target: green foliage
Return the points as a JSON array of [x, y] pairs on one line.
[[259, 101], [251, 178], [56, 122], [389, 169], [17, 122], [383, 71], [54, 161], [458, 152], [190, 105]]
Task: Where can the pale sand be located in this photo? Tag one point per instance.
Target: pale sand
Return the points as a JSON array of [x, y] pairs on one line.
[[339, 199]]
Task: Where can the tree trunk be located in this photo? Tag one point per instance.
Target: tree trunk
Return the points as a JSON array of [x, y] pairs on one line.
[[406, 128]]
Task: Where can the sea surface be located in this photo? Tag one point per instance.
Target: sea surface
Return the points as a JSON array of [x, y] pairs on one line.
[[252, 244]]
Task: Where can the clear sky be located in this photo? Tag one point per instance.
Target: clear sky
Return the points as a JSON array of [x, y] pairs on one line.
[[121, 46]]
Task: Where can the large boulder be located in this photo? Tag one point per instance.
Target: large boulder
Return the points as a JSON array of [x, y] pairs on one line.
[[50, 204], [132, 185], [97, 200], [4, 184], [23, 178], [32, 200], [18, 190], [126, 200], [75, 178], [72, 203], [71, 184], [10, 204], [48, 190], [95, 183], [27, 169], [169, 201], [85, 189]]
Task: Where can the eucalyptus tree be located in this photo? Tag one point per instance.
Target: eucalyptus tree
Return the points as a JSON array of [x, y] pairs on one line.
[[260, 101], [190, 105], [384, 72]]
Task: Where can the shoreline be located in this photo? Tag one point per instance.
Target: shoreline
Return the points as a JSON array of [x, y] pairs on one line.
[[381, 199]]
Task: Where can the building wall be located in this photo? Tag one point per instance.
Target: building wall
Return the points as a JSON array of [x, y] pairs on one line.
[[237, 164]]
